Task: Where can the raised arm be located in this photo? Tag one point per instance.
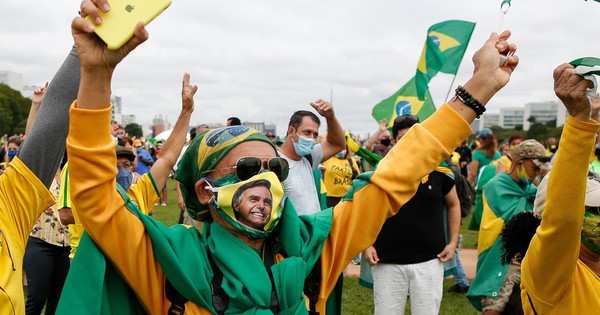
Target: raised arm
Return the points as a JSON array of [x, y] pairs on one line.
[[372, 141], [421, 150], [170, 152], [36, 101], [45, 145], [334, 141], [562, 219]]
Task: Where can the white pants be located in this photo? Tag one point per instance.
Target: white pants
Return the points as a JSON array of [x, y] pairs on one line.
[[393, 283]]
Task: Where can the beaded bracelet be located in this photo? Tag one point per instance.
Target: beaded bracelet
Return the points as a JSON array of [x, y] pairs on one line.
[[468, 99]]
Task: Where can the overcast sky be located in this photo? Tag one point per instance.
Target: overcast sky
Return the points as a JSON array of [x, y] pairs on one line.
[[262, 60]]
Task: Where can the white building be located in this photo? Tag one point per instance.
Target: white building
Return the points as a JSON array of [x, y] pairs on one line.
[[116, 109], [490, 119], [544, 112], [12, 79], [512, 117]]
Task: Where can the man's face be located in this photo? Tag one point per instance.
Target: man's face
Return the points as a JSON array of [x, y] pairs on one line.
[[384, 138], [401, 133], [531, 168], [308, 128], [125, 163], [255, 208]]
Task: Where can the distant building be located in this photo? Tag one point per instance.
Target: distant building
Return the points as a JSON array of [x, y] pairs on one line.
[[512, 117], [260, 126], [491, 119], [116, 109], [12, 79], [27, 90], [128, 119], [160, 123], [545, 112]]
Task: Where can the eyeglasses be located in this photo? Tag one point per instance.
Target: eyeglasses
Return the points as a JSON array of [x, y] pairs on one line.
[[249, 166]]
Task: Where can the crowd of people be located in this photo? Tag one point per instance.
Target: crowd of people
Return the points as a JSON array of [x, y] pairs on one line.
[[270, 224]]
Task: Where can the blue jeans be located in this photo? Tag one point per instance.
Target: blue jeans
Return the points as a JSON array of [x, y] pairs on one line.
[[460, 278]]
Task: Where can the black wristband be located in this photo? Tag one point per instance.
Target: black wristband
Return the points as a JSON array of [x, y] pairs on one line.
[[468, 99]]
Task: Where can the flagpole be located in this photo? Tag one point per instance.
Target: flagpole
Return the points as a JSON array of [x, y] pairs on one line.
[[331, 94], [450, 89]]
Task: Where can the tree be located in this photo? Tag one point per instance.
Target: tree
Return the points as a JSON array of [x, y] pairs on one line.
[[134, 130], [14, 109], [537, 131]]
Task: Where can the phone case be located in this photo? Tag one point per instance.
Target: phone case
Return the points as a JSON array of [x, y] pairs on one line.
[[118, 24]]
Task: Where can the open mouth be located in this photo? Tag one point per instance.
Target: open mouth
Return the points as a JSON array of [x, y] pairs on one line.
[[258, 215]]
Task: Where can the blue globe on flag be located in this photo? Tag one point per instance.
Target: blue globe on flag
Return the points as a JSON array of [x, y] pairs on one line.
[[403, 108], [436, 40]]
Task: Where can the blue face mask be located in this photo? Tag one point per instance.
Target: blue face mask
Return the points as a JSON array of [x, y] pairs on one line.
[[124, 178], [341, 154], [12, 154], [304, 146]]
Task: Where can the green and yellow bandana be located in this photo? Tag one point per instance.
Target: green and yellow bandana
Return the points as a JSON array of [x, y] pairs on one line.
[[204, 153]]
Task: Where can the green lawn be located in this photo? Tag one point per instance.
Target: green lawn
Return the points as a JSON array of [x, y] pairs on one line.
[[356, 298]]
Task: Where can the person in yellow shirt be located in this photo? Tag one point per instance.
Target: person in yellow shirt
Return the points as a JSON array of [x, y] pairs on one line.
[[154, 258], [559, 274], [338, 174]]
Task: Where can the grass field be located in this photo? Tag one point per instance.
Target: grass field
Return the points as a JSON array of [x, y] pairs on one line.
[[357, 299]]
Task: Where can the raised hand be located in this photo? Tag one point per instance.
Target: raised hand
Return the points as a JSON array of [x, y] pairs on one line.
[[187, 93], [323, 108], [93, 53], [570, 89], [487, 60], [38, 95]]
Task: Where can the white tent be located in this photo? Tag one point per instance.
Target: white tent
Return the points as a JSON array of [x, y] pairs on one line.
[[167, 133]]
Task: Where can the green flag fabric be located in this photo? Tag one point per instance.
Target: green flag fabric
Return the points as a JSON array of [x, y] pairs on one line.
[[444, 49], [404, 101]]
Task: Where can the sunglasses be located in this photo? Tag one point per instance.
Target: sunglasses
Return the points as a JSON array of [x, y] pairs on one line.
[[249, 166]]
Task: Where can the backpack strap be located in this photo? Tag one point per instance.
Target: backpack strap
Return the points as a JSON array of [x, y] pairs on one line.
[[219, 298], [309, 158], [177, 299], [531, 303], [312, 286]]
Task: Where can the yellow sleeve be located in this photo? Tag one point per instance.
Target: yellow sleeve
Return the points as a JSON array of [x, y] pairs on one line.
[[144, 192], [101, 209], [23, 197], [554, 249], [357, 222]]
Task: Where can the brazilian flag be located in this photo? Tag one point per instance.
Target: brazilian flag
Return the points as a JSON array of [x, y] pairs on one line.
[[443, 51], [404, 101]]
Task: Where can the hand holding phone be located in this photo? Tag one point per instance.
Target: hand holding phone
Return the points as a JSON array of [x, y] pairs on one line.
[[119, 22]]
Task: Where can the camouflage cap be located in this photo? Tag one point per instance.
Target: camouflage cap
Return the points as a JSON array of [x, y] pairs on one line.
[[532, 150]]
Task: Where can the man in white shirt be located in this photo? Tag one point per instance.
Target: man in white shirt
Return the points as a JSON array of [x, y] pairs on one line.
[[302, 134]]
